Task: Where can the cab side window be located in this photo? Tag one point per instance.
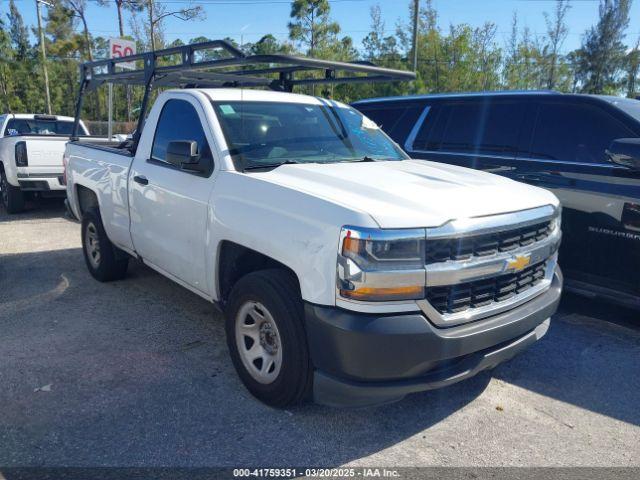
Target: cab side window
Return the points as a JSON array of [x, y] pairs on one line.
[[574, 132], [178, 121], [396, 119], [479, 126]]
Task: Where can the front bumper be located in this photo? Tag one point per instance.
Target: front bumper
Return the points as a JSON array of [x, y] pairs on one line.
[[366, 359]]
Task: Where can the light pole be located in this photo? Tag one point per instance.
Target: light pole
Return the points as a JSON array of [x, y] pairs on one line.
[[44, 54]]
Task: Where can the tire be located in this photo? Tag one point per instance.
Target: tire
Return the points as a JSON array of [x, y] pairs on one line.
[[104, 261], [12, 197], [270, 300]]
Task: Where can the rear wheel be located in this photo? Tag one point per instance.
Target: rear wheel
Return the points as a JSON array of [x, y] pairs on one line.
[[104, 261], [266, 337], [12, 197]]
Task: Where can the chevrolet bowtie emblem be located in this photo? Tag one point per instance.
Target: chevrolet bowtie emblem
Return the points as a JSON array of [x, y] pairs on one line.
[[518, 263]]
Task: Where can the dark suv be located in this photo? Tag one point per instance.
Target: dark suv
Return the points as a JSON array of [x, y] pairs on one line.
[[584, 148]]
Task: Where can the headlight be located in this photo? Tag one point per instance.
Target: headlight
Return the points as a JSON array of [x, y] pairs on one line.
[[556, 221], [381, 265]]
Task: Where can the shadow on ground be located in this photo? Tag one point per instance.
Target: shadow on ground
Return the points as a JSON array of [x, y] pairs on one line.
[[589, 358], [137, 373], [37, 209]]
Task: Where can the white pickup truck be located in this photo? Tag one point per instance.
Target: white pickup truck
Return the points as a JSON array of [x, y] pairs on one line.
[[348, 273], [31, 149]]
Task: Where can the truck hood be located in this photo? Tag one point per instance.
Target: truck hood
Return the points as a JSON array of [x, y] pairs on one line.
[[410, 193]]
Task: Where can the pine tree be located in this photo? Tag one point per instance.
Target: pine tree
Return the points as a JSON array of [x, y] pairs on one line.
[[311, 25], [5, 63], [65, 47], [373, 42], [633, 70], [18, 32], [557, 32], [602, 55]]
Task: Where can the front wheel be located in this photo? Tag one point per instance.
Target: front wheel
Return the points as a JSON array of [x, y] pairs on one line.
[[12, 197], [104, 261], [266, 337]]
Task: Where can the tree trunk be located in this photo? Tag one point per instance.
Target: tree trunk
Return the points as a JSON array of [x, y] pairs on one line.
[[87, 40], [551, 83], [120, 24], [127, 87], [151, 25], [435, 61], [4, 89]]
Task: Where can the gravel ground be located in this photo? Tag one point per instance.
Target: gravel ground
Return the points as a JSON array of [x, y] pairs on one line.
[[137, 373]]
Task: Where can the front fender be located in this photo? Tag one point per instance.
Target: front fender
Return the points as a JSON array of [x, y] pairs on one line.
[[292, 227]]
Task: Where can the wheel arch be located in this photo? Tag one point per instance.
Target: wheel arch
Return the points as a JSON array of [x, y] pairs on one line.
[[235, 261], [86, 199]]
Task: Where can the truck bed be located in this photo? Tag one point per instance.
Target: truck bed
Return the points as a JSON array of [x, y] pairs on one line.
[[101, 143], [102, 167]]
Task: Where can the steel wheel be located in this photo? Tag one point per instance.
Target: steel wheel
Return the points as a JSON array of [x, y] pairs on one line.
[[258, 342], [92, 244]]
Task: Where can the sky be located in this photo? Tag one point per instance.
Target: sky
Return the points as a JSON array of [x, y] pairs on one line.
[[249, 20]]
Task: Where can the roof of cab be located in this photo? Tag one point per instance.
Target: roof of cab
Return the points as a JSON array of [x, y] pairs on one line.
[[31, 116], [253, 95], [457, 95]]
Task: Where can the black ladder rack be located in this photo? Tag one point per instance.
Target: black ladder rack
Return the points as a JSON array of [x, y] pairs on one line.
[[230, 67]]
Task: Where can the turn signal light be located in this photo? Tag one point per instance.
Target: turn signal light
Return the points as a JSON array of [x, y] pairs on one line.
[[352, 245], [384, 294]]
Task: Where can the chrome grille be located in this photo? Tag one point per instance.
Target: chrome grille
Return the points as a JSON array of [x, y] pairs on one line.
[[472, 264], [464, 248], [463, 296]]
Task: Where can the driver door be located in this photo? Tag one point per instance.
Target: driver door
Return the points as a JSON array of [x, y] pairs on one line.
[[169, 206]]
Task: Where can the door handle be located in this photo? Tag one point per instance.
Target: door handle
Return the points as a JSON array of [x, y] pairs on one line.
[[142, 180], [488, 167], [550, 180], [531, 178]]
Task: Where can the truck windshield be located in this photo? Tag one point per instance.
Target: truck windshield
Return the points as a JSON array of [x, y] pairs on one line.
[[629, 106], [269, 133], [26, 126]]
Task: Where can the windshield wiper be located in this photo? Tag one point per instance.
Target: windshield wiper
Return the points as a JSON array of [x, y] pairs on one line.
[[259, 166], [358, 160]]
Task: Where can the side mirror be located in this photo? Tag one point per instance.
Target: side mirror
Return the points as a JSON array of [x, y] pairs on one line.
[[182, 151], [625, 152], [184, 154]]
